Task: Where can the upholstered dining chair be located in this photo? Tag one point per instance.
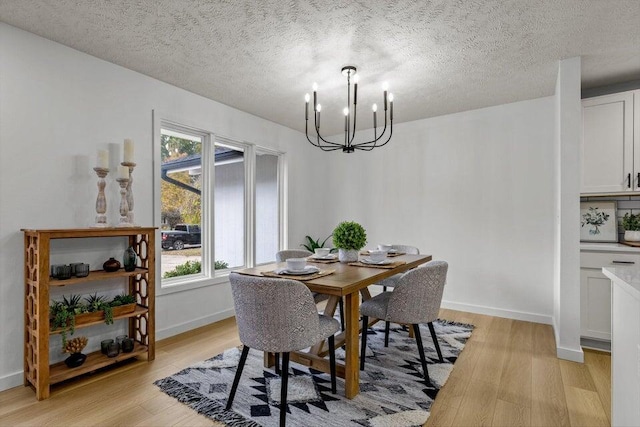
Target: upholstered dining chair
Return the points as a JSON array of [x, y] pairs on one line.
[[278, 316], [391, 281], [416, 299], [284, 255]]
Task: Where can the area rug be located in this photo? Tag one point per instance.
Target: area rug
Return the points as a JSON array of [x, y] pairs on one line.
[[392, 389]]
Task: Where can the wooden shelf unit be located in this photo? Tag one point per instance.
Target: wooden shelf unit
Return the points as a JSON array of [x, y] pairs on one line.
[[38, 373]]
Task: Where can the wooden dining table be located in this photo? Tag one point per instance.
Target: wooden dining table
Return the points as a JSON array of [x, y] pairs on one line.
[[348, 282]]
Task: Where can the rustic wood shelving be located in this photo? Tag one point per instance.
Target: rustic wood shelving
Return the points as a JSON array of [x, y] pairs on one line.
[[38, 373]]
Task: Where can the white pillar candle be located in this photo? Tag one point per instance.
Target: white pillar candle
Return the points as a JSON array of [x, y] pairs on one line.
[[103, 159], [128, 150], [123, 172]]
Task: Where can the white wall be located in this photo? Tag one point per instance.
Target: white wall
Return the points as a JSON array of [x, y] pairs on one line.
[[57, 107], [474, 189], [568, 134]]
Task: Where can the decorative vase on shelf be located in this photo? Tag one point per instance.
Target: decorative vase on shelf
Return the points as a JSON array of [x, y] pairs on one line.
[[111, 265], [75, 360], [347, 255], [129, 260], [632, 236]]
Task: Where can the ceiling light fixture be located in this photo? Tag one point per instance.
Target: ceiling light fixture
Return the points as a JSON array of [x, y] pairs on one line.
[[349, 115]]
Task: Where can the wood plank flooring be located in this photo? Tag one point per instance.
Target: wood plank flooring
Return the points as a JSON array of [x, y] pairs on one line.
[[507, 375]]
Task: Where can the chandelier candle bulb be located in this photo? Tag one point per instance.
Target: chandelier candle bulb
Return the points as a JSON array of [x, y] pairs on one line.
[[306, 106], [128, 150], [391, 103], [103, 159]]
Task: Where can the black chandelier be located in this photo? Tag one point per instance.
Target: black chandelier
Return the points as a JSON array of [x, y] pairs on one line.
[[348, 146]]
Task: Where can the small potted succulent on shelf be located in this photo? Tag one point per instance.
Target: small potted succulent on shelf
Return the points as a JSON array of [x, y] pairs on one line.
[[123, 304], [75, 347], [349, 237], [631, 225]]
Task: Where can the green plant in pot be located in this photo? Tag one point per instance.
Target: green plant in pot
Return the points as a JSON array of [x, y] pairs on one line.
[[631, 225], [349, 237], [312, 245]]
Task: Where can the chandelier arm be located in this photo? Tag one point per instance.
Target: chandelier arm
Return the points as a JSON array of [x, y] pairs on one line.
[[355, 106], [320, 138], [374, 141], [388, 139], [323, 147]]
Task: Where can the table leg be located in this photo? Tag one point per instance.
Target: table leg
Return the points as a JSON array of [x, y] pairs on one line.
[[352, 367]]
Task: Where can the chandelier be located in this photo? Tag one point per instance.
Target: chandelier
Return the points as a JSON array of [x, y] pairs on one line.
[[349, 119]]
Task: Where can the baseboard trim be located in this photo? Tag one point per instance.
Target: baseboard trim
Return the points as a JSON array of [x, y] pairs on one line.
[[193, 324], [498, 312], [574, 355], [12, 380]]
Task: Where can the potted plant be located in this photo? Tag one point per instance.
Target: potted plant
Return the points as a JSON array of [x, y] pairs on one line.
[[631, 225], [122, 304], [75, 347], [349, 237], [312, 245]]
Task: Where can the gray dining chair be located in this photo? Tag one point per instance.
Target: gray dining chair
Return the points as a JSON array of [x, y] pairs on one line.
[[278, 316], [416, 299], [390, 282], [284, 255]]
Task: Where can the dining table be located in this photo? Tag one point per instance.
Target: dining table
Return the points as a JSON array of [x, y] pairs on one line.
[[341, 280]]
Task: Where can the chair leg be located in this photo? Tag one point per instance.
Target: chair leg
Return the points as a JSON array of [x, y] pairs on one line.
[[283, 389], [236, 379], [435, 341], [365, 321], [332, 362], [341, 308], [386, 333], [423, 360], [384, 289], [277, 357]]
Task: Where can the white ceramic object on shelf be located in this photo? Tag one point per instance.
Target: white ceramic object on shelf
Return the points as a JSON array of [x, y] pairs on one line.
[[632, 236]]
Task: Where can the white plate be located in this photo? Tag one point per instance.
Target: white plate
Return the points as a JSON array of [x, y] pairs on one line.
[[368, 261], [326, 257], [307, 270]]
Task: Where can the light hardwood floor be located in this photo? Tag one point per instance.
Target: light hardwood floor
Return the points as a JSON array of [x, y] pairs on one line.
[[507, 375]]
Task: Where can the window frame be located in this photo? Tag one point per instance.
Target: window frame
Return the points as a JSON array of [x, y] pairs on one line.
[[209, 276]]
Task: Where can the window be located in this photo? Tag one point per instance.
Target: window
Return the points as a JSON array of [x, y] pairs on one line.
[[267, 191], [219, 205]]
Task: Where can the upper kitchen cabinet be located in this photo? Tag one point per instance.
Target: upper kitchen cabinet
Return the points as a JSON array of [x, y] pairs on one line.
[[610, 150]]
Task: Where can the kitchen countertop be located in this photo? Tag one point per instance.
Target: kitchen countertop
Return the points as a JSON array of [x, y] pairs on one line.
[[626, 277], [607, 247]]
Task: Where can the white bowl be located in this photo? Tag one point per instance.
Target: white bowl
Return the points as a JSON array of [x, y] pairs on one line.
[[377, 256], [322, 252], [385, 248], [296, 264]]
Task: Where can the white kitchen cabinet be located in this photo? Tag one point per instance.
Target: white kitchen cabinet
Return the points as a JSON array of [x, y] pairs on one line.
[[595, 290], [610, 150], [595, 304]]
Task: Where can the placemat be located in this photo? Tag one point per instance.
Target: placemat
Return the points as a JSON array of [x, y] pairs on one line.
[[385, 266], [321, 273], [390, 255], [323, 261]]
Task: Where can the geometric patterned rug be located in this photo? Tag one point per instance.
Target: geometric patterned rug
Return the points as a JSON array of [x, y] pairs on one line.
[[392, 389]]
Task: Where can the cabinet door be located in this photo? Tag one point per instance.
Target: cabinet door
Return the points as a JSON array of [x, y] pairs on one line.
[[595, 304], [607, 144]]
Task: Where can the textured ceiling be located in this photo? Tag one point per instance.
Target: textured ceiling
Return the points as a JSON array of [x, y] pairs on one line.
[[439, 56]]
